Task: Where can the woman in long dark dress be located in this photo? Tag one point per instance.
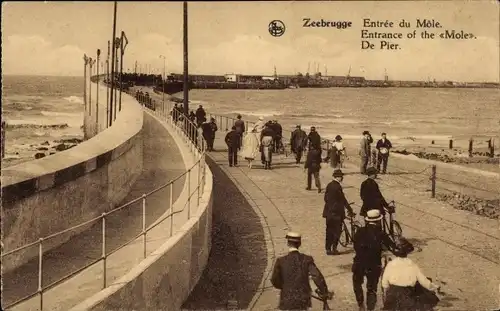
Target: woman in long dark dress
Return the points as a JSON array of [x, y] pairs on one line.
[[404, 283]]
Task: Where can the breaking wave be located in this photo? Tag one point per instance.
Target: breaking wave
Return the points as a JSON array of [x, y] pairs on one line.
[[74, 99], [16, 124]]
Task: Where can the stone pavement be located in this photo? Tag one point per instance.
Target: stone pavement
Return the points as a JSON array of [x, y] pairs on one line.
[[121, 227], [455, 247]]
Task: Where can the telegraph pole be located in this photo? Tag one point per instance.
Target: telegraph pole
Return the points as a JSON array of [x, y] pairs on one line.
[[163, 80], [86, 61], [107, 88], [122, 51], [112, 67], [186, 71]]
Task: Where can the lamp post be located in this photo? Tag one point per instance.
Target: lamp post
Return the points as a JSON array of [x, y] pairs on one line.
[[163, 80], [122, 51], [117, 72], [97, 94], [107, 86], [112, 67], [86, 61], [91, 63]]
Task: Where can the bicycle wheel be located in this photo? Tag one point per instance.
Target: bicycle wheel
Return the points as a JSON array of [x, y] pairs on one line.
[[396, 227], [343, 236]]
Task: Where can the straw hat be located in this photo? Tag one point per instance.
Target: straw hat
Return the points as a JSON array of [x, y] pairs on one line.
[[293, 237], [373, 215]]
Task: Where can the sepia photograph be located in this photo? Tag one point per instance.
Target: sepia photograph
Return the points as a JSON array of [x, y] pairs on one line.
[[250, 155]]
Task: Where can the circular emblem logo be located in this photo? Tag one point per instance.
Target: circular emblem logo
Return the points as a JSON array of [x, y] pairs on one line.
[[276, 28]]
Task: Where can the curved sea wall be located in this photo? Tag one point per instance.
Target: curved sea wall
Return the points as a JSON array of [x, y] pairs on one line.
[[166, 277], [51, 194]]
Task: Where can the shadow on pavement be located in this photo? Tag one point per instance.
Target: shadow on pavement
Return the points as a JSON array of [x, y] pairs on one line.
[[238, 257]]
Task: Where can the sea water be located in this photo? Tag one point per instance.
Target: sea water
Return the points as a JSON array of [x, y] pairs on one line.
[[38, 109]]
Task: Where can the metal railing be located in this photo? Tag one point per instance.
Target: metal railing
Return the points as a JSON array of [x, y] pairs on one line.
[[189, 132]]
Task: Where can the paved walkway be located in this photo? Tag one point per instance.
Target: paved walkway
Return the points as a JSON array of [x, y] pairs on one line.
[[457, 248], [162, 162]]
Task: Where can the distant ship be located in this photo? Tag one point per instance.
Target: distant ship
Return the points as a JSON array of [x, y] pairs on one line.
[[171, 86]]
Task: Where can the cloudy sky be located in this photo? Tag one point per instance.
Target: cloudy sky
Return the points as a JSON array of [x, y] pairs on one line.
[[224, 37]]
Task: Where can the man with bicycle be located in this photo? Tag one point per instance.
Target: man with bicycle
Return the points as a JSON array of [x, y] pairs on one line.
[[371, 195], [368, 242], [291, 275], [334, 212]]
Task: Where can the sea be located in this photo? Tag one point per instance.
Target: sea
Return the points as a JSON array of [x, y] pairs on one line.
[[38, 109], [416, 114]]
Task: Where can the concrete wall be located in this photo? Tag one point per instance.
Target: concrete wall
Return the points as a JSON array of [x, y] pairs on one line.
[[165, 278], [51, 194]]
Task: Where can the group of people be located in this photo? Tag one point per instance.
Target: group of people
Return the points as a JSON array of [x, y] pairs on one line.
[[405, 286]]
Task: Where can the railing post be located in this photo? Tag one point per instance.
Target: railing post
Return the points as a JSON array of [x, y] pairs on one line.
[[226, 122], [450, 146], [470, 147], [433, 181], [40, 272], [171, 205], [189, 194], [199, 183], [144, 223], [104, 250]]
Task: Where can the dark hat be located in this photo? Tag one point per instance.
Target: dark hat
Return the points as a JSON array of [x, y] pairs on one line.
[[338, 137], [337, 173], [371, 171], [233, 127], [238, 116], [403, 247], [293, 237], [366, 132], [384, 134], [298, 126], [313, 128]]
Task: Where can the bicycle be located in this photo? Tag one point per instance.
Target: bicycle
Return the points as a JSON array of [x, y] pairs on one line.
[[394, 227], [347, 237], [320, 297]]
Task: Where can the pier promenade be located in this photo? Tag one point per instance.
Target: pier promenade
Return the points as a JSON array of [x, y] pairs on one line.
[[456, 248]]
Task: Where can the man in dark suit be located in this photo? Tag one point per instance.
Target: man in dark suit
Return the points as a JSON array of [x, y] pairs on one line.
[[313, 165], [240, 127], [383, 146], [291, 275], [367, 263], [298, 142], [334, 212], [314, 138], [233, 145], [371, 195]]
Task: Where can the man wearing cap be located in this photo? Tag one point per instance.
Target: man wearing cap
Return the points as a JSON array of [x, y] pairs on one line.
[[298, 142], [314, 138], [291, 275], [233, 140], [383, 146], [371, 195], [240, 127], [364, 151], [313, 166], [334, 212], [368, 242]]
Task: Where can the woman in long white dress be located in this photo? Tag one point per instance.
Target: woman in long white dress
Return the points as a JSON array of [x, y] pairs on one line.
[[250, 147]]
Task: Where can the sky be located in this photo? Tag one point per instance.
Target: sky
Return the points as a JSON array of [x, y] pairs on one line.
[[50, 38]]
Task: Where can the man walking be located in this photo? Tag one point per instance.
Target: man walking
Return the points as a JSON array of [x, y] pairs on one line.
[[213, 129], [232, 140], [367, 262], [334, 212], [313, 165], [364, 151], [298, 141], [314, 138], [200, 115], [383, 146], [291, 275], [240, 127], [371, 195]]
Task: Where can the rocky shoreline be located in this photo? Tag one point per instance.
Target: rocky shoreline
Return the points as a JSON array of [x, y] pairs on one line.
[[459, 158], [486, 208], [55, 146]]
